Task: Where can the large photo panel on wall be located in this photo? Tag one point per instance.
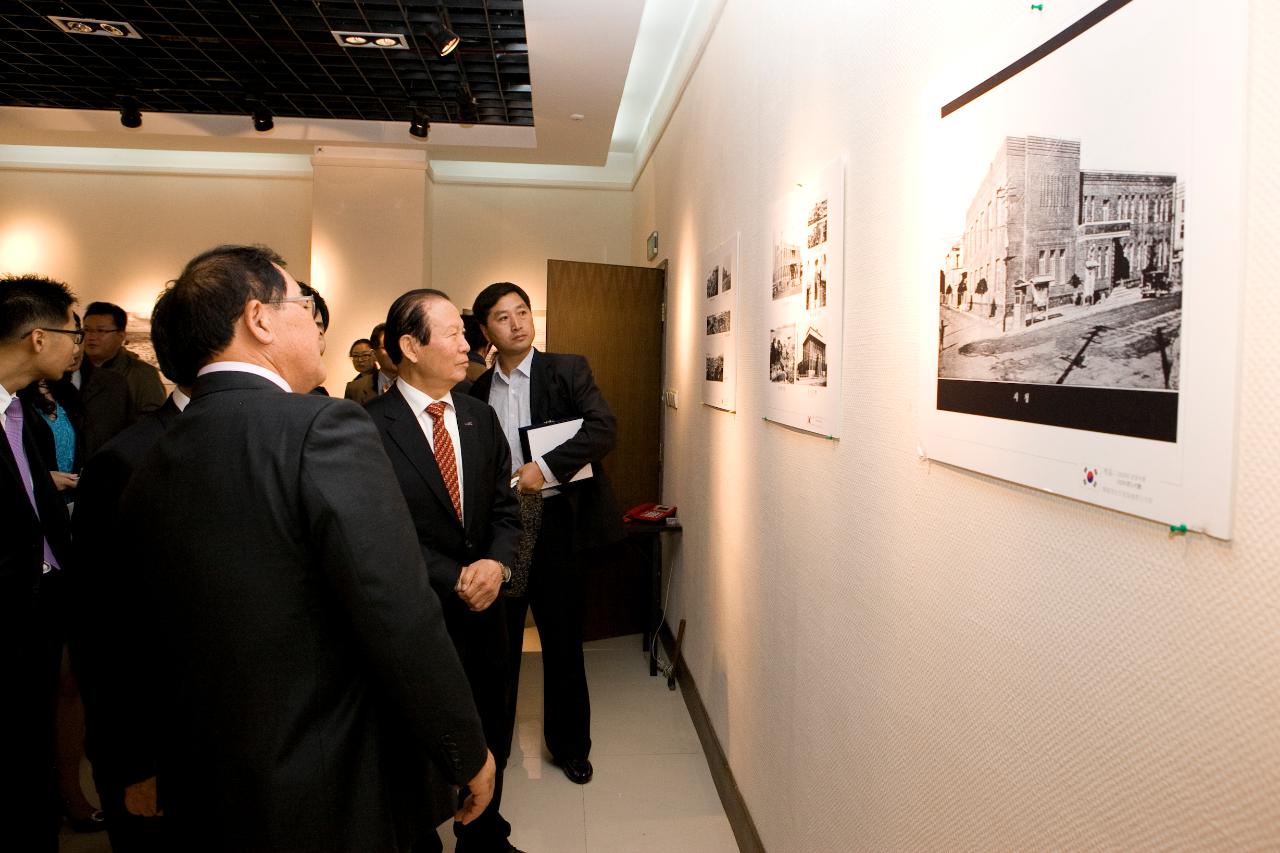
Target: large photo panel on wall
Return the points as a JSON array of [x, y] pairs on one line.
[[804, 306], [1082, 313], [720, 342]]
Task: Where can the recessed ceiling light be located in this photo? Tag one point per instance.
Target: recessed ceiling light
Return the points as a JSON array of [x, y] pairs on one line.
[[576, 117], [94, 27], [376, 41]]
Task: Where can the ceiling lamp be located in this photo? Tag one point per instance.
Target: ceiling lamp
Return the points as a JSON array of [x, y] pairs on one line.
[[468, 112], [262, 119], [418, 125], [130, 114], [442, 38], [384, 41]]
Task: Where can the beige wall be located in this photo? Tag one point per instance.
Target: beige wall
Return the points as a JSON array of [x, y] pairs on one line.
[[118, 237], [483, 234], [885, 668]]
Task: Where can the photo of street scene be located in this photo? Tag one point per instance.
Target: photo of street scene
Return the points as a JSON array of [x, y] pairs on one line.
[[788, 268], [713, 285], [1064, 275], [718, 324], [715, 368], [782, 354], [726, 277]]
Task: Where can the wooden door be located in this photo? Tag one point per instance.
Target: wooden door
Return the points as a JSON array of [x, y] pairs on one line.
[[613, 315]]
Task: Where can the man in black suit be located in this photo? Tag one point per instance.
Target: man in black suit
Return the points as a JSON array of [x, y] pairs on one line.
[[38, 339], [454, 468], [296, 658], [529, 387], [95, 627]]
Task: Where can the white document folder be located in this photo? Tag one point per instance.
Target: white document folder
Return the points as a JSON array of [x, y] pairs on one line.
[[539, 440]]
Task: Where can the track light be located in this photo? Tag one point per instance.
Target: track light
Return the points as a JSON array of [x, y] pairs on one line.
[[468, 112], [443, 38], [262, 120], [418, 125], [130, 114]]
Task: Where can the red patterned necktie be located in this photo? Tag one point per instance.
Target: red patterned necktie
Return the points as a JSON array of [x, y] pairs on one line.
[[443, 446]]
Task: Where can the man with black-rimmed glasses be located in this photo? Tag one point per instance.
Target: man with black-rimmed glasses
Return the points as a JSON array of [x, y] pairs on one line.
[[38, 340]]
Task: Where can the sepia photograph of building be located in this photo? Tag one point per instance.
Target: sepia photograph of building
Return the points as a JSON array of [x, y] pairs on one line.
[[1063, 274], [811, 369], [788, 268]]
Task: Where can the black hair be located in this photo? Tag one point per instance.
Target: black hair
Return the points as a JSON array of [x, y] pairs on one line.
[[197, 319], [408, 316], [31, 301], [474, 334], [322, 307], [356, 343], [377, 332], [108, 309], [490, 295]]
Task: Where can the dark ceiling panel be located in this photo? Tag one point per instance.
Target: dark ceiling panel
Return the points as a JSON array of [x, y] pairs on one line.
[[215, 57]]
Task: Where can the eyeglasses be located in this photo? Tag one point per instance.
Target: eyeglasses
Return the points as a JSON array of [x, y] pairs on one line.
[[77, 335], [307, 302]]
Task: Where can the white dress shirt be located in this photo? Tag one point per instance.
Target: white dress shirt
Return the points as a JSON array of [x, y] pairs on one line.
[[418, 402], [5, 399]]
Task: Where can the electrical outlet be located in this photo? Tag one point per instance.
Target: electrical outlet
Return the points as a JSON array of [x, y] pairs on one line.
[[672, 398]]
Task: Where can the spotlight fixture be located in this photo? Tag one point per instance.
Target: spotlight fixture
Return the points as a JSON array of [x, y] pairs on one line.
[[418, 125], [130, 114], [262, 119], [442, 38]]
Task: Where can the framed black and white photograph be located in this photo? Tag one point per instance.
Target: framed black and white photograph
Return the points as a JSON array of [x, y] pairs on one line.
[[719, 388], [805, 309], [1084, 290]]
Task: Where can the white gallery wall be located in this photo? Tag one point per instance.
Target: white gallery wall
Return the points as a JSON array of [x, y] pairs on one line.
[[897, 655], [482, 234], [118, 236]]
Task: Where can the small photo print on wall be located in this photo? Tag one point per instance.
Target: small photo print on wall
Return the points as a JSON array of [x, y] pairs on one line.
[[788, 268], [805, 308], [719, 345], [718, 324], [811, 367], [715, 368], [782, 354]]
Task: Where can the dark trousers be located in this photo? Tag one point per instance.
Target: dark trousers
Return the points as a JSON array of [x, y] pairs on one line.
[[29, 809], [481, 643], [557, 596]]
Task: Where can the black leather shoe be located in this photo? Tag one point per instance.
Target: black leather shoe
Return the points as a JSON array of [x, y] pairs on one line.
[[578, 770]]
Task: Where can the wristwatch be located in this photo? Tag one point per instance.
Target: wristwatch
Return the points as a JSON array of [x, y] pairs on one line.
[[506, 572]]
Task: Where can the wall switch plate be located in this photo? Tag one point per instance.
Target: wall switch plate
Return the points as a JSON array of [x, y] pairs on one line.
[[672, 398]]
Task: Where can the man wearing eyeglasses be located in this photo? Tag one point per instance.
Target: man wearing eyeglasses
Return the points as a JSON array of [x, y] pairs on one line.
[[298, 666], [38, 340], [104, 335]]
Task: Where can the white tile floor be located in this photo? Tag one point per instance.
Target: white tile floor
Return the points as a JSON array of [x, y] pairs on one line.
[[652, 790]]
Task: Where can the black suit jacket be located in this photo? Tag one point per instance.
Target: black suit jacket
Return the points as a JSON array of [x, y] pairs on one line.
[[30, 642], [489, 506], [97, 629], [22, 545], [298, 654], [561, 387]]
